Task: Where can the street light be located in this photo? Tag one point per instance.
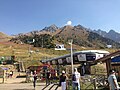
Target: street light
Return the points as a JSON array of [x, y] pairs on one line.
[[29, 49], [71, 41]]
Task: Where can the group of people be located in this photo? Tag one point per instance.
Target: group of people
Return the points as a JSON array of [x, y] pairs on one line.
[[75, 80], [63, 77], [112, 80]]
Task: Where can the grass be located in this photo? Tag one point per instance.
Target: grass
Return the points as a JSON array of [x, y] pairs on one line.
[[21, 52]]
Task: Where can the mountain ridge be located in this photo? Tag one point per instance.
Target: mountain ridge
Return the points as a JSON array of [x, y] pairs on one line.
[[112, 34], [81, 36]]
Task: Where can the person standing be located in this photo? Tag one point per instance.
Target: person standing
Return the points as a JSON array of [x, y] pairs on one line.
[[76, 80], [34, 79], [113, 81], [63, 80], [48, 75], [117, 75], [11, 73]]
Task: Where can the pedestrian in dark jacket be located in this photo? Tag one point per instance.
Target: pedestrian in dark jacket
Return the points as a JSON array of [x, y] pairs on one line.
[[63, 80], [34, 78], [48, 75]]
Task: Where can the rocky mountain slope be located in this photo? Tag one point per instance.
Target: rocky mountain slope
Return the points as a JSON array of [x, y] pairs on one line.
[[81, 36], [111, 34]]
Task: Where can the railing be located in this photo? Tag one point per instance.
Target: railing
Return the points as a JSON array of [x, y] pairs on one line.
[[94, 82], [91, 82]]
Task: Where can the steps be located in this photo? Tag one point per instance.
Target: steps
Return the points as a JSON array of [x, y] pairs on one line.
[[52, 87], [21, 67]]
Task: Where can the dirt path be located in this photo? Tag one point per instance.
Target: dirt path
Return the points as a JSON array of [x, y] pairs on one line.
[[22, 86]]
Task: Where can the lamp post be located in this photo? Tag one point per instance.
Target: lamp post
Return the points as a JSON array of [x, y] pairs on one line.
[[71, 41], [29, 49]]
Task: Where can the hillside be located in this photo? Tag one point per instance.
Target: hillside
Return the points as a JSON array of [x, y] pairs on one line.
[[24, 49], [82, 37], [45, 40], [4, 37]]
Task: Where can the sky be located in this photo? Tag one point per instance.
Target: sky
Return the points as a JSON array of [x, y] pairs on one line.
[[22, 16]]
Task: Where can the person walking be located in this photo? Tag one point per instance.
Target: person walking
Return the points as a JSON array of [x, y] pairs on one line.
[[34, 79], [48, 75], [113, 81], [76, 80], [63, 80]]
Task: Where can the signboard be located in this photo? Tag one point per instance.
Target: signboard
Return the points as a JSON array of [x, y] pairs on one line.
[[116, 59], [60, 47], [53, 62], [60, 61], [81, 57], [68, 59], [99, 56], [90, 57]]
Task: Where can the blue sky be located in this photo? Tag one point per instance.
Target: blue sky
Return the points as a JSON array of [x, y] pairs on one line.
[[21, 16]]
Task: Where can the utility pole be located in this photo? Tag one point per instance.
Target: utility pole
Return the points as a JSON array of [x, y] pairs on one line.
[[71, 41]]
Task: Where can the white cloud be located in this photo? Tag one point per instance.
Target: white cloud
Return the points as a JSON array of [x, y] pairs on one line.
[[69, 23]]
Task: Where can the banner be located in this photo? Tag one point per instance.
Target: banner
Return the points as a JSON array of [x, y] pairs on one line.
[[68, 59], [81, 57], [60, 61]]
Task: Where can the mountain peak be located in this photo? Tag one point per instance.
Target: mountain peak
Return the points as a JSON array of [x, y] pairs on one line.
[[51, 28], [80, 27], [67, 27], [81, 36], [111, 31], [54, 26]]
